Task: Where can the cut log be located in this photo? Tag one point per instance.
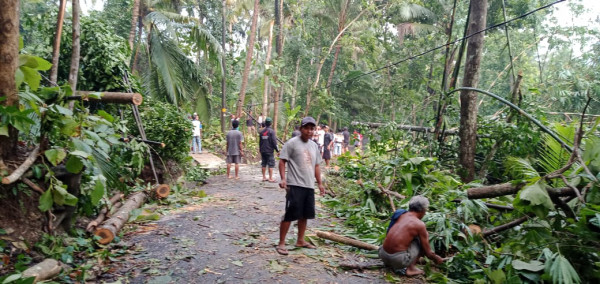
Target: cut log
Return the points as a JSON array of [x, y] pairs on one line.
[[112, 226], [109, 97], [161, 191], [102, 215], [14, 176], [362, 266], [346, 240], [43, 270], [509, 188]]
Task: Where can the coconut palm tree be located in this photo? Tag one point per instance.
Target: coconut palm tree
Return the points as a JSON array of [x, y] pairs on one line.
[[170, 74]]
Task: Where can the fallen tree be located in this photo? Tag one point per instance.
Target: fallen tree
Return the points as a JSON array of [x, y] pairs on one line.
[[112, 226], [509, 188], [161, 191], [103, 213], [345, 240]]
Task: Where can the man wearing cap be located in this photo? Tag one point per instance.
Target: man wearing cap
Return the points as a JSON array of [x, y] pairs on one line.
[[302, 156], [267, 142]]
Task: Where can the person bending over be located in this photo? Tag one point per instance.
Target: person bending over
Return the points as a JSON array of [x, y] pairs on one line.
[[407, 239]]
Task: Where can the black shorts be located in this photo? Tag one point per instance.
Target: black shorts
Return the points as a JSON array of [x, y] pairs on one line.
[[299, 203], [267, 159]]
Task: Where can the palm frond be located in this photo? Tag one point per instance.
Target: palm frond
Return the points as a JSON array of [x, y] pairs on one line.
[[519, 168], [208, 43], [159, 20], [410, 12], [165, 58], [552, 155]]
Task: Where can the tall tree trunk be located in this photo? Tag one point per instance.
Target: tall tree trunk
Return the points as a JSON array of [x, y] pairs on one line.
[[74, 70], [223, 69], [322, 61], [134, 67], [341, 24], [294, 91], [135, 13], [279, 48], [468, 99], [56, 44], [249, 51], [9, 58], [265, 105]]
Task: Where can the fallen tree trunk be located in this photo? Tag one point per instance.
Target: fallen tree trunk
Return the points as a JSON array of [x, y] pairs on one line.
[[346, 240], [161, 191], [112, 226], [14, 176], [509, 188], [43, 271], [102, 215], [491, 205], [109, 97], [506, 226]]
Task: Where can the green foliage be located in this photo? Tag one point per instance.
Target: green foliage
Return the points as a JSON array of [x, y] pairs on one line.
[[165, 123], [197, 174]]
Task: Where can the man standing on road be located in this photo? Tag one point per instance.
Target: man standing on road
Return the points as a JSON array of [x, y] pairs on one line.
[[346, 135], [407, 239], [267, 144], [197, 134], [235, 151], [303, 157]]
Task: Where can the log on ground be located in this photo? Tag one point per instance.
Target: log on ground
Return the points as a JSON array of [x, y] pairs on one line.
[[161, 191], [112, 226], [363, 265], [43, 270], [103, 213], [346, 240]]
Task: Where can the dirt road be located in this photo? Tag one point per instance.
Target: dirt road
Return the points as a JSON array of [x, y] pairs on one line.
[[229, 237]]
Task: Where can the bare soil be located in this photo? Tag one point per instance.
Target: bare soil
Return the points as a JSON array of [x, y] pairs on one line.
[[230, 237]]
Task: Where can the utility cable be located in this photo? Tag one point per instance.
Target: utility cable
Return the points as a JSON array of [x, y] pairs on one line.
[[437, 47]]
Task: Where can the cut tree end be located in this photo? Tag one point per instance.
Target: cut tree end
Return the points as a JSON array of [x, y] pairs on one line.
[[106, 236], [162, 191], [6, 180], [137, 99]]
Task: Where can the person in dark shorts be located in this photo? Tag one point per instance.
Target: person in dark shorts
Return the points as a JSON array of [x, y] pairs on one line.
[[327, 145], [267, 142], [302, 156], [234, 148], [346, 135], [250, 128]]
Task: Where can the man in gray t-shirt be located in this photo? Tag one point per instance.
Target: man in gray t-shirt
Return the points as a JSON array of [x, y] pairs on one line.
[[234, 148], [303, 157]]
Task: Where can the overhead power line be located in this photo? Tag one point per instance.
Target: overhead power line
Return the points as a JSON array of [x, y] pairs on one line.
[[437, 47]]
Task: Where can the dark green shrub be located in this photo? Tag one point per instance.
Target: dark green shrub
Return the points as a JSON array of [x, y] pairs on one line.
[[165, 123]]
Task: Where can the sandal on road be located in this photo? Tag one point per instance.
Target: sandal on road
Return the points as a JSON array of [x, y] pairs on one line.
[[282, 251]]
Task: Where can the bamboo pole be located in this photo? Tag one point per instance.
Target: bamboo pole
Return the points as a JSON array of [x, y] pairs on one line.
[[346, 240]]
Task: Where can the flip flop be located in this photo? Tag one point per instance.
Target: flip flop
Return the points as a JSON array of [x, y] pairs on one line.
[[272, 181], [237, 177], [307, 245], [282, 251]]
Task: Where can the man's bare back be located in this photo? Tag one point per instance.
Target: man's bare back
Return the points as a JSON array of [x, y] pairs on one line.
[[407, 228]]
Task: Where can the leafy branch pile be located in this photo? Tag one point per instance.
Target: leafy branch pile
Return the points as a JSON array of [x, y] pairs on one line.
[[551, 243]]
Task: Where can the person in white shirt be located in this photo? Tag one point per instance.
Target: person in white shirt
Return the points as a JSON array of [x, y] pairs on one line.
[[261, 120], [321, 139], [196, 135]]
